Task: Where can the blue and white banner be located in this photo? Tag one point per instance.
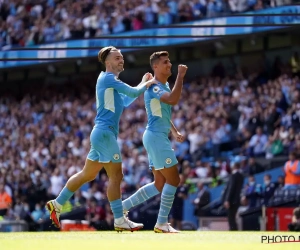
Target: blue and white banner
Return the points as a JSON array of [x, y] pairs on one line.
[[168, 32]]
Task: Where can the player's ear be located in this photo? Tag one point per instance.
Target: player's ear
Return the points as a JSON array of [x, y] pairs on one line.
[[107, 61]]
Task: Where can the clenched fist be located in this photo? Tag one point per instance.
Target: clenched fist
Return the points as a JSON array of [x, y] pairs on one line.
[[182, 70]]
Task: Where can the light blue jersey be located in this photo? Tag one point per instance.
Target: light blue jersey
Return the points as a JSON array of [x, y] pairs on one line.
[[155, 138], [159, 113], [112, 95]]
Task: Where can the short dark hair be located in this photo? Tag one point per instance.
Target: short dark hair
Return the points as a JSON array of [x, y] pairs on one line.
[[156, 55], [236, 165], [294, 153], [104, 52]]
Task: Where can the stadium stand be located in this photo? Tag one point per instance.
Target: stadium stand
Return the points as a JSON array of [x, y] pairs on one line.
[[25, 23]]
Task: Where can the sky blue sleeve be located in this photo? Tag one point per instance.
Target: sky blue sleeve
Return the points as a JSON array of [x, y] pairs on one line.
[[127, 100], [156, 92], [111, 81]]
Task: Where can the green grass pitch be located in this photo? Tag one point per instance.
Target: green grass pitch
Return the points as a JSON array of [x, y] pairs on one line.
[[143, 240]]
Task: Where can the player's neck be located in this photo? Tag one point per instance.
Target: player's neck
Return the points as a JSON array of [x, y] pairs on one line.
[[161, 79], [113, 72]]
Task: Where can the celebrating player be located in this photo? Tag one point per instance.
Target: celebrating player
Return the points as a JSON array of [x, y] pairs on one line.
[[111, 96], [162, 160]]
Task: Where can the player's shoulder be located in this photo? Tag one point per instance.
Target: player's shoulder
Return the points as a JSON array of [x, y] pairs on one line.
[[154, 89], [107, 77]]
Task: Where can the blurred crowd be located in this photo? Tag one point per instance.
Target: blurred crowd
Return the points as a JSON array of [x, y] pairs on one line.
[[32, 22], [255, 194], [44, 135]]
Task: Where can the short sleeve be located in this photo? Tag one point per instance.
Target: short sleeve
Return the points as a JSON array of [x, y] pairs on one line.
[[155, 91]]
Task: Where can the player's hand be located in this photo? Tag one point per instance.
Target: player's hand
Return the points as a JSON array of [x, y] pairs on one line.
[[179, 137], [148, 76], [150, 82], [182, 70]]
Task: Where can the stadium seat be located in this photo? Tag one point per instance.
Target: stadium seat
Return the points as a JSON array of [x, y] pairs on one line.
[[298, 194], [279, 192], [278, 196], [290, 194]]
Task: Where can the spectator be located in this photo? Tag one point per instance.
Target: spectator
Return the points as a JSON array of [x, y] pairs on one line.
[[19, 210], [214, 8], [295, 225], [243, 208], [93, 193], [252, 167], [203, 199], [295, 63], [199, 8], [292, 172], [252, 192], [238, 5], [38, 214], [79, 200], [56, 182], [40, 191], [176, 213], [280, 183], [95, 214], [257, 143], [181, 150], [26, 216], [5, 201], [201, 171], [267, 190], [272, 119], [109, 219]]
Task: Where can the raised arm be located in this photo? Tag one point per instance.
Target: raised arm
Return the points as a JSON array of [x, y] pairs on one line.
[[127, 100], [173, 97], [112, 81]]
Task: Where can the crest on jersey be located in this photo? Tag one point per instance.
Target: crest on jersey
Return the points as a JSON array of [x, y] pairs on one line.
[[168, 161], [116, 157], [155, 89]]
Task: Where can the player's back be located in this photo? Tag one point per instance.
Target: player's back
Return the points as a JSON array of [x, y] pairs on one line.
[[159, 113], [109, 103]]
